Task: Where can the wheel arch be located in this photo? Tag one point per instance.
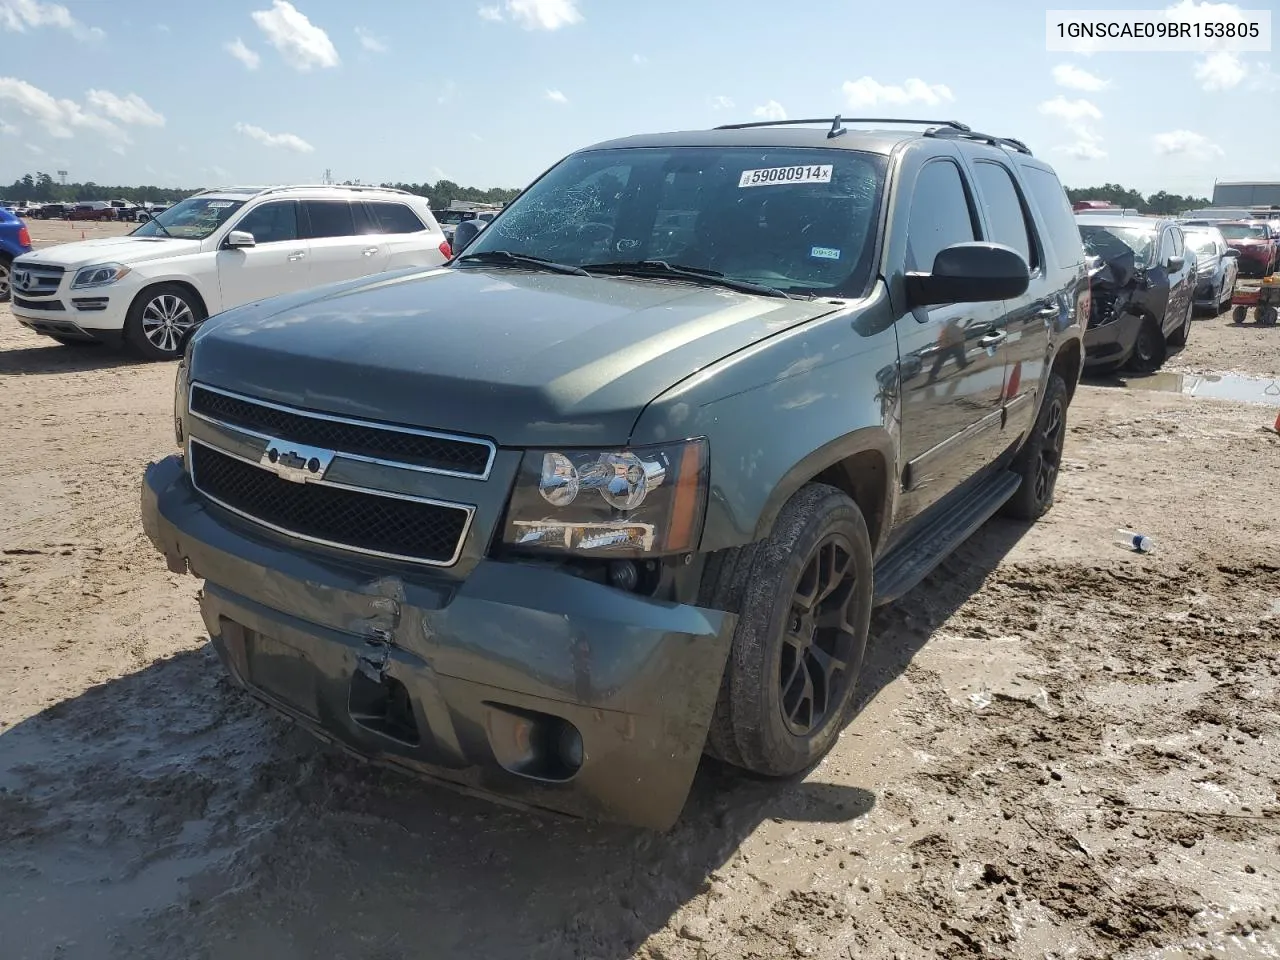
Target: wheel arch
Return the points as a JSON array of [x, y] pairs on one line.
[[186, 285], [861, 464], [1068, 363]]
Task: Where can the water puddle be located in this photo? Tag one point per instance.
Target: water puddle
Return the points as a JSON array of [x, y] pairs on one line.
[[1220, 386]]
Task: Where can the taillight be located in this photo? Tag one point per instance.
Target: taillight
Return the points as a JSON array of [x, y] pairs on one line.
[[24, 236], [446, 249]]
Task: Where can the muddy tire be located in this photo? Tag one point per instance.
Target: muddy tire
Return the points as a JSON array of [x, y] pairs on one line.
[[1239, 314], [158, 319], [1040, 459], [1149, 349], [803, 597], [1179, 337]]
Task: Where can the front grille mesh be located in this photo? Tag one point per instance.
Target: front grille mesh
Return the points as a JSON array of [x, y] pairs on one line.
[[362, 521], [384, 443]]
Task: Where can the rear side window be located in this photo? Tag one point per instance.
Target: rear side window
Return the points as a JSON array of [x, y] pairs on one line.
[[393, 217], [330, 218], [1004, 209], [1051, 200], [941, 214]]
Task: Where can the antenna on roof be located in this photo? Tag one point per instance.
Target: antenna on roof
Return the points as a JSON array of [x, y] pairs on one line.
[[837, 128]]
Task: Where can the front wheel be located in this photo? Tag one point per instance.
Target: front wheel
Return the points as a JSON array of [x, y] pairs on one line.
[[6, 275], [159, 318], [1149, 349], [803, 599], [1040, 458]]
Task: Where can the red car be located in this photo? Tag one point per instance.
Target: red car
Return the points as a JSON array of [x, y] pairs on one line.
[[1258, 251], [94, 210]]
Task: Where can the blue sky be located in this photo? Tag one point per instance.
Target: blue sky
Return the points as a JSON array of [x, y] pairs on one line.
[[491, 92]]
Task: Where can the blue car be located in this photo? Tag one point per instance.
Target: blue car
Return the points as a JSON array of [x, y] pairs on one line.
[[14, 241]]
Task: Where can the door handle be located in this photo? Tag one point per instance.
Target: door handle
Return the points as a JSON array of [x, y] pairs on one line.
[[369, 251], [298, 255], [993, 339], [1048, 310]]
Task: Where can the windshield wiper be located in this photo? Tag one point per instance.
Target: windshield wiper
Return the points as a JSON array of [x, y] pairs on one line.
[[153, 220], [521, 259], [660, 268]]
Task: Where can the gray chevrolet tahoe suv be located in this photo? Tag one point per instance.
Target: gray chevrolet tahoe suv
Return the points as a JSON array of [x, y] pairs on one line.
[[620, 484]]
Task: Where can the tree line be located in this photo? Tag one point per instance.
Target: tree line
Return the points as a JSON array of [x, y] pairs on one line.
[[1162, 203], [42, 188]]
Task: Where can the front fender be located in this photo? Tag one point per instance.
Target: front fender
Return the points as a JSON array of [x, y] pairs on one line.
[[780, 413]]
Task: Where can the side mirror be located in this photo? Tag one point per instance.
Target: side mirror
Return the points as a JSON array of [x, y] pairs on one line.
[[1175, 264], [464, 233], [972, 272], [1231, 252], [240, 238]]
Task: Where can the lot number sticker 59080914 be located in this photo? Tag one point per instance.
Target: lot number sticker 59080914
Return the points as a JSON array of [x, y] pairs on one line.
[[813, 173]]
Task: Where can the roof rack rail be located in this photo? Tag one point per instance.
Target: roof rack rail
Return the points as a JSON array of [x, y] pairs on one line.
[[837, 123], [263, 191], [967, 134]]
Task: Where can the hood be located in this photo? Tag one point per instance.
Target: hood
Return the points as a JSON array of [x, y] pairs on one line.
[[523, 358], [115, 250]]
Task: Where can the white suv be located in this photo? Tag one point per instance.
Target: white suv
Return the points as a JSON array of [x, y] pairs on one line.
[[214, 251]]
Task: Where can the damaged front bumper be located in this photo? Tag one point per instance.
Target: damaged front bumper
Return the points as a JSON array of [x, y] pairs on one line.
[[1111, 343], [523, 683]]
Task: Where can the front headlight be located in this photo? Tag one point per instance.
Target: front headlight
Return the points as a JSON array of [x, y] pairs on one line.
[[180, 381], [99, 275], [640, 502]]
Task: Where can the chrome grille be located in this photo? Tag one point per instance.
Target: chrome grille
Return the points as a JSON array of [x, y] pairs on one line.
[[366, 521], [36, 279], [425, 450]]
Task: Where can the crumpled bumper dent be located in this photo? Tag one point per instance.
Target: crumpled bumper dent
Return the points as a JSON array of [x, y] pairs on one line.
[[481, 683]]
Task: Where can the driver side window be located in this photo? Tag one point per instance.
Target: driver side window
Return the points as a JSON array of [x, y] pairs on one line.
[[941, 214], [272, 222], [1166, 248]]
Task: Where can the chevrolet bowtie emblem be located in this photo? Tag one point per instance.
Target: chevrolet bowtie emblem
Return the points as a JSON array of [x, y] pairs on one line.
[[296, 461]]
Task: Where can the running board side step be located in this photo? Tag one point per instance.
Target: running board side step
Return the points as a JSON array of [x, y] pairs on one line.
[[914, 559]]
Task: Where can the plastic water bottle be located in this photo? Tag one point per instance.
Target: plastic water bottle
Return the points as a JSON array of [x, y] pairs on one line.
[[1137, 542]]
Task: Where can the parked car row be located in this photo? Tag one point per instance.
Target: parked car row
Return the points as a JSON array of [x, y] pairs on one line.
[[621, 482], [214, 251], [86, 210]]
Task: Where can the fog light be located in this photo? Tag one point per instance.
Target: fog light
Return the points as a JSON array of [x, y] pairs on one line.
[[536, 745], [570, 747]]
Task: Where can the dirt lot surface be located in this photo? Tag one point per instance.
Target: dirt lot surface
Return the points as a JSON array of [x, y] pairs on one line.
[[1065, 750]]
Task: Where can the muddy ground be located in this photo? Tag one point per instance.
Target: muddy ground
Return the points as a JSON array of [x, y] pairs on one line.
[[1065, 750]]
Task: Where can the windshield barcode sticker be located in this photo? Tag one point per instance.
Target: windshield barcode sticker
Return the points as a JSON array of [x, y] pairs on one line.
[[815, 173]]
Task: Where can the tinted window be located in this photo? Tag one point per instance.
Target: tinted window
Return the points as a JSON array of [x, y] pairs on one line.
[[271, 222], [1203, 244], [940, 214], [1055, 209], [1004, 209], [330, 218], [798, 219], [393, 217]]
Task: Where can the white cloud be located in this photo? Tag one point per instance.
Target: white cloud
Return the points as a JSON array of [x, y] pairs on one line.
[[639, 59], [34, 149], [248, 57], [477, 138], [300, 42], [1078, 117], [1220, 71], [119, 148], [1073, 78], [721, 103], [9, 130], [555, 96], [447, 92], [20, 15], [1186, 143], [770, 111], [129, 109], [534, 14], [869, 92], [60, 118], [162, 28], [369, 42], [288, 141]]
